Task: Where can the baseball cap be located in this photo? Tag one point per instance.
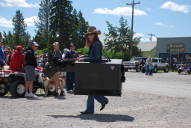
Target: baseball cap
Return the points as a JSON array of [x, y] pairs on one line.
[[34, 44], [19, 47]]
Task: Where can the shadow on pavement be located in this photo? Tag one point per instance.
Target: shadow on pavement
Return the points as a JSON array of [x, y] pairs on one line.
[[98, 117]]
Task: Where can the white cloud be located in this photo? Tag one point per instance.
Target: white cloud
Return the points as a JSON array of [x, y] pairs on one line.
[[175, 7], [5, 22], [126, 11], [18, 3], [8, 23], [148, 9], [160, 24], [145, 38], [146, 44], [138, 35], [31, 21], [163, 25]]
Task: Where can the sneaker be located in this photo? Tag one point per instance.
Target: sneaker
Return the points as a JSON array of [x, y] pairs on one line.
[[31, 95], [86, 112], [62, 93], [26, 94], [70, 92], [103, 105], [56, 94]]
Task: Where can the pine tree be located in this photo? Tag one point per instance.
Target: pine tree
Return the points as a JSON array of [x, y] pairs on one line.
[[43, 32], [118, 39], [10, 40], [1, 36], [19, 28], [82, 29], [4, 37], [61, 21]]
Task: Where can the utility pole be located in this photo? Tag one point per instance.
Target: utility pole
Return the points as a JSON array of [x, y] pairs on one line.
[[151, 36], [132, 21]]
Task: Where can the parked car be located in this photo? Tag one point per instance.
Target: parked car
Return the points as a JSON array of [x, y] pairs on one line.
[[135, 63], [160, 64]]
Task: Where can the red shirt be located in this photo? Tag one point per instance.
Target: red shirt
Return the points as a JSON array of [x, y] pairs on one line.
[[17, 61]]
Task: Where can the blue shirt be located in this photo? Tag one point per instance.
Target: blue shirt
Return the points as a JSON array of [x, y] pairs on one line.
[[71, 55], [2, 55], [95, 53]]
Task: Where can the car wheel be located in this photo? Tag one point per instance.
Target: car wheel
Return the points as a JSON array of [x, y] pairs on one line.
[[166, 69], [17, 88], [3, 88], [155, 70], [137, 69]]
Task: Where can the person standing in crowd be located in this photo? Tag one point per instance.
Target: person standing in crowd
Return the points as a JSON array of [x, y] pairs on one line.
[[149, 66], [64, 53], [17, 59], [57, 54], [3, 59], [94, 56], [174, 63], [8, 54], [70, 81], [30, 64]]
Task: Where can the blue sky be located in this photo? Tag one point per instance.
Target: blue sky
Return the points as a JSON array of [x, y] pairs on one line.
[[163, 18]]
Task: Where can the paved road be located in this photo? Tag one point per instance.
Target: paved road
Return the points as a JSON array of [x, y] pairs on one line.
[[167, 84], [139, 107]]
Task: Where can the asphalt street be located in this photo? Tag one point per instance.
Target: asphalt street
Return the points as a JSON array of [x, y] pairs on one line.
[[164, 84]]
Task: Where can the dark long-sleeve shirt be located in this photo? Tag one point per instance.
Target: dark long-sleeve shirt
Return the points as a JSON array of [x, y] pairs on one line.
[[30, 58], [95, 53]]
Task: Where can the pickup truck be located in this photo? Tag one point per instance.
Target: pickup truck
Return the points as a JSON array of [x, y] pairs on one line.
[[134, 63], [160, 64]]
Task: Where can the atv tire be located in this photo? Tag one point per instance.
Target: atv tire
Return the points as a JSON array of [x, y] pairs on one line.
[[3, 88], [17, 88]]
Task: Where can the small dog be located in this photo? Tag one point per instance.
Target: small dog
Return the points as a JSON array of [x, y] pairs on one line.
[[49, 84]]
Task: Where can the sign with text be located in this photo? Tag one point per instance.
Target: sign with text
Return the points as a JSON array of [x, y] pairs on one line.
[[176, 48]]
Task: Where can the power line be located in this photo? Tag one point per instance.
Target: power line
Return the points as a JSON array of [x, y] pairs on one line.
[[151, 36], [132, 23]]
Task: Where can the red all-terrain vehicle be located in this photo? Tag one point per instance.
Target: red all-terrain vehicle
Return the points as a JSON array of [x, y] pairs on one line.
[[14, 82]]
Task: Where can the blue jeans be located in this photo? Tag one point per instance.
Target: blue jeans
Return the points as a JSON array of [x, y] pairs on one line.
[[147, 69], [70, 81], [90, 102]]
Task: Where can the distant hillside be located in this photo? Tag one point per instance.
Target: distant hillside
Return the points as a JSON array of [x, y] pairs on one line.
[[151, 53]]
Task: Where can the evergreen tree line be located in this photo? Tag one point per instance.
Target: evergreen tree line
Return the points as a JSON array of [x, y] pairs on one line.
[[59, 21], [118, 41], [19, 36]]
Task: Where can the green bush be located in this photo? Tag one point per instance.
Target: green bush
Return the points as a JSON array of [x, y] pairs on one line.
[[83, 51], [43, 51]]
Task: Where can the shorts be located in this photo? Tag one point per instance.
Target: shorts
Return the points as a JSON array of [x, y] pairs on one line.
[[30, 73]]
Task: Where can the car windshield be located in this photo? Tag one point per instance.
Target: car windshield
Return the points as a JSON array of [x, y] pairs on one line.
[[136, 59], [154, 60]]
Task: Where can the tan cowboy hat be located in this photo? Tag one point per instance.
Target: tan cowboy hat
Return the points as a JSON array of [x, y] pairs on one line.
[[93, 30]]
